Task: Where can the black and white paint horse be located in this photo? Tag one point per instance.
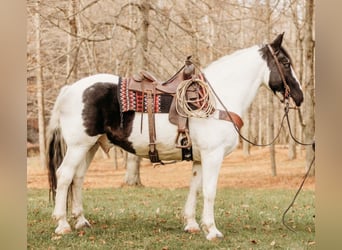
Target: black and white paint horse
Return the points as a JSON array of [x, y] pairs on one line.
[[88, 110]]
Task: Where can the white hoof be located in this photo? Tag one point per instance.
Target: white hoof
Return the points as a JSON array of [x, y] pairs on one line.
[[63, 228], [214, 235], [82, 223], [192, 228]]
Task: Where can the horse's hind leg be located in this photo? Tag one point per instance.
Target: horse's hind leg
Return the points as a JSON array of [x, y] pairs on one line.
[[77, 184], [65, 174], [190, 205]]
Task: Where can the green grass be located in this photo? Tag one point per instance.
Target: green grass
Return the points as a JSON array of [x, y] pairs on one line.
[[150, 218]]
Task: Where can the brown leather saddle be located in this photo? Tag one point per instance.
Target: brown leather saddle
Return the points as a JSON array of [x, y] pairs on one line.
[[148, 90]]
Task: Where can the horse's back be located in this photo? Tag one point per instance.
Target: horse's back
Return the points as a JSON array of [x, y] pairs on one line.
[[74, 92], [90, 80], [71, 102]]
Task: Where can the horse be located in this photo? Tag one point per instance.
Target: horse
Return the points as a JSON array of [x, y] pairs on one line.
[[88, 110]]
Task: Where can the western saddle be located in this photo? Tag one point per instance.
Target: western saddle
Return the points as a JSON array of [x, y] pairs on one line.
[[149, 87]]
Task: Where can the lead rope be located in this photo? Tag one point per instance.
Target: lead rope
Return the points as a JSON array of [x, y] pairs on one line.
[[286, 111], [297, 193], [307, 172]]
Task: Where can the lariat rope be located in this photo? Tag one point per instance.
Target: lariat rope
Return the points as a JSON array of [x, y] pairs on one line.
[[204, 103]]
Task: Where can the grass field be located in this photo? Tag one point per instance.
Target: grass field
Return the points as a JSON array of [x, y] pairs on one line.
[[151, 218]]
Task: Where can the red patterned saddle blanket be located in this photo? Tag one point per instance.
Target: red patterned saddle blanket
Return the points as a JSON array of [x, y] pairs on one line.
[[131, 100]]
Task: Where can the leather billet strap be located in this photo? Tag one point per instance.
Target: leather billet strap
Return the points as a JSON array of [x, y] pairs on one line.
[[150, 99], [151, 123]]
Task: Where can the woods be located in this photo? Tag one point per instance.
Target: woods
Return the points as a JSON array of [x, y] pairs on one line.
[[69, 39]]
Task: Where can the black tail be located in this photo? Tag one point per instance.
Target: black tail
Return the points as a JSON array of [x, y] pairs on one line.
[[55, 153]]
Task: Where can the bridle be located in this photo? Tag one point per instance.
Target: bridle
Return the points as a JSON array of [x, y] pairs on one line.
[[281, 73], [286, 108]]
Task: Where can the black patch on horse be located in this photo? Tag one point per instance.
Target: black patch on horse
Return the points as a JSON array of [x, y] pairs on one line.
[[101, 114], [275, 82]]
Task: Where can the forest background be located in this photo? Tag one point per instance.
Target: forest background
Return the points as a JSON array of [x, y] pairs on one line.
[[69, 39]]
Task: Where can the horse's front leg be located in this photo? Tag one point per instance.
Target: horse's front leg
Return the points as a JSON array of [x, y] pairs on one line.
[[211, 164], [132, 176], [190, 205]]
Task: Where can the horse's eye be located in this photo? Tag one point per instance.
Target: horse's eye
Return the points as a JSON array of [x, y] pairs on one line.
[[286, 62]]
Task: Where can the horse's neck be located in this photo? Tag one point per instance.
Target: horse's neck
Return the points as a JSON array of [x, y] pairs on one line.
[[237, 77]]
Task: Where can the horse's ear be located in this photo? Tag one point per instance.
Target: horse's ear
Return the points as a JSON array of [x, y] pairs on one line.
[[277, 42]]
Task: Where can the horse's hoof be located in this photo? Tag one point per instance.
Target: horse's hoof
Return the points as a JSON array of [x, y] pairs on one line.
[[82, 224], [215, 236], [193, 228], [63, 230]]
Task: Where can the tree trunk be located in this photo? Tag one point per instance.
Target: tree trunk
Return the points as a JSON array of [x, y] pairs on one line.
[[132, 177], [142, 38], [270, 128], [292, 153], [71, 59], [246, 146], [260, 120], [270, 133], [40, 91], [133, 162], [309, 104]]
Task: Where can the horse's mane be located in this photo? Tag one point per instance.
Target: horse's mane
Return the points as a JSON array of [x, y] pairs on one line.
[[286, 53], [266, 54], [230, 57]]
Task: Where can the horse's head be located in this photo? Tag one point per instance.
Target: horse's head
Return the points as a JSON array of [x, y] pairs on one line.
[[279, 63]]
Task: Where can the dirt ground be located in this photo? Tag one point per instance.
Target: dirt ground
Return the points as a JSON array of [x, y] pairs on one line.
[[237, 171]]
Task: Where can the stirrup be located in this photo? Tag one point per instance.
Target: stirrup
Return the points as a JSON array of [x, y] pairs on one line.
[[184, 141], [154, 157]]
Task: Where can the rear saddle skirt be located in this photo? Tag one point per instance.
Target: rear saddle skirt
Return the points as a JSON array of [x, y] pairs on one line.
[[146, 94]]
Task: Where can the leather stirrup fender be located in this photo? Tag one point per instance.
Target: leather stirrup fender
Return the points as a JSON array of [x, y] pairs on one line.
[[236, 118]]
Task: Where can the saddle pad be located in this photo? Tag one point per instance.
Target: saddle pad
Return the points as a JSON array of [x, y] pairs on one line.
[[137, 101]]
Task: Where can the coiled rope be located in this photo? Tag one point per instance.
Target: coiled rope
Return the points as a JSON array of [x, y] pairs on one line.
[[187, 106]]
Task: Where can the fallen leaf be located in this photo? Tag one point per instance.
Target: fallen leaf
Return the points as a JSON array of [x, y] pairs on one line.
[[56, 237]]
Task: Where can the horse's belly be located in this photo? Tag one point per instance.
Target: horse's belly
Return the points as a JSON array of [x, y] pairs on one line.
[[166, 134]]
